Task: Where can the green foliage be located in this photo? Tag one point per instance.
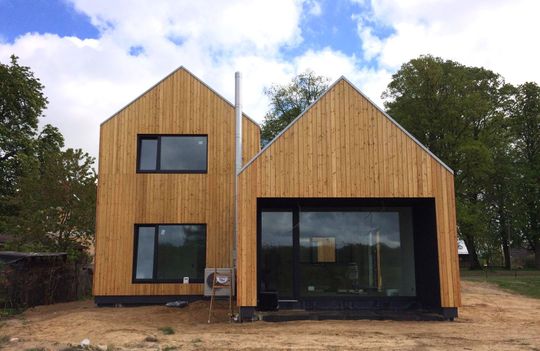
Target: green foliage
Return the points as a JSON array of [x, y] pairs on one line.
[[289, 101], [456, 111], [166, 330], [21, 104], [525, 127], [48, 194], [56, 199]]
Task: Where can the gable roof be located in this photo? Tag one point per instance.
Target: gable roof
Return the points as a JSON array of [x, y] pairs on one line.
[[181, 68], [342, 78]]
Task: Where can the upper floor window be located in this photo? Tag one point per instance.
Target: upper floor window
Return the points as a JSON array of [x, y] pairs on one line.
[[172, 153]]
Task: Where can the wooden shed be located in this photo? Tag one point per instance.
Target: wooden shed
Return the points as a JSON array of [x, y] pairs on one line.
[[344, 210]]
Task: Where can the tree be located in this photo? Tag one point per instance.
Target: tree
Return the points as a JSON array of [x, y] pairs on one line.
[[526, 130], [56, 198], [47, 194], [289, 101], [449, 108], [21, 104], [502, 188]]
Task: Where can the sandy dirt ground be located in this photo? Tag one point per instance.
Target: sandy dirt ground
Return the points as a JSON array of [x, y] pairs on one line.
[[490, 319]]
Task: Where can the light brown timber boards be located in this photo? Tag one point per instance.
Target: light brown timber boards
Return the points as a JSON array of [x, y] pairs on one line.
[[378, 160], [180, 104]]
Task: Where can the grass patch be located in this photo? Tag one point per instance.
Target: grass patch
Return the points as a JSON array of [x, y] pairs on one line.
[[166, 330], [10, 312], [524, 282]]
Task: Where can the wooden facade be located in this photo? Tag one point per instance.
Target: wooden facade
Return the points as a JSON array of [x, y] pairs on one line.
[[343, 146], [179, 104]]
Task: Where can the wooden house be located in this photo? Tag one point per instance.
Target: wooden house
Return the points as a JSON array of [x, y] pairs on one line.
[[343, 210]]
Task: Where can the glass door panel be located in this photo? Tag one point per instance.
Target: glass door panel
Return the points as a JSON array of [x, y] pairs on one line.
[[356, 253], [276, 255]]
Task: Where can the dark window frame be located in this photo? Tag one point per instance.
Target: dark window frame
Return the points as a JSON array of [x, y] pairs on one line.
[[158, 169], [134, 279], [424, 287]]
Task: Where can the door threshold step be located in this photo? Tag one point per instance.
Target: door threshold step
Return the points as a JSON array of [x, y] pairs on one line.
[[299, 315]]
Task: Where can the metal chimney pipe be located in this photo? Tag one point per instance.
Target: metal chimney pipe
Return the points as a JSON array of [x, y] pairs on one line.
[[238, 157], [238, 110]]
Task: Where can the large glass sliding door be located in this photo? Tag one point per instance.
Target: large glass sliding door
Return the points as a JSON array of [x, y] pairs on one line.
[[316, 251]]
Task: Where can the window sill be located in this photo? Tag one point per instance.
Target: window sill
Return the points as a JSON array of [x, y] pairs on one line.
[[171, 172], [181, 282]]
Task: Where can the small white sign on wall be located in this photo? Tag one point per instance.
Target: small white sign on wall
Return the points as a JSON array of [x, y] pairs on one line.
[[186, 280]]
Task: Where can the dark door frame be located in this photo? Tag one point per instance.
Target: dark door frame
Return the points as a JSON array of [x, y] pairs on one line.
[[422, 208]]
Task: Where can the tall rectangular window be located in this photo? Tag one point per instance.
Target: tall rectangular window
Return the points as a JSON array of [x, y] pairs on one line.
[[169, 253], [172, 153]]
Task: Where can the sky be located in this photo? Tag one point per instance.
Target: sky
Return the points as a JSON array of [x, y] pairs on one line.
[[96, 56]]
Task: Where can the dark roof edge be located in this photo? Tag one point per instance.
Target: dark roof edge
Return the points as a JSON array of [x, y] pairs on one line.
[[342, 78], [163, 79]]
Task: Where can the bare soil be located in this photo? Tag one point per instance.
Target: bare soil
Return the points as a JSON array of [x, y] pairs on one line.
[[490, 319]]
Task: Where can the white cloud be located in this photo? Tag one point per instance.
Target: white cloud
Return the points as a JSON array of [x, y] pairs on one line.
[[88, 80], [499, 35], [334, 64]]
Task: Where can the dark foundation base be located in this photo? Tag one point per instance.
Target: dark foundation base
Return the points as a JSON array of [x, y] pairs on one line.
[[449, 313], [247, 314], [102, 301]]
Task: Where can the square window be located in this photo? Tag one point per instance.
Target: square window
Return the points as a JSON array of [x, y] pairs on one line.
[[168, 253]]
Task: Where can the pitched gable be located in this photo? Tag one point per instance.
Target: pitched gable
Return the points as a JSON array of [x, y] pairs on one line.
[[343, 144], [179, 74]]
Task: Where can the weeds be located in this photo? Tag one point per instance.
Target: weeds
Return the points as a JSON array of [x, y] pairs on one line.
[[10, 312], [4, 339]]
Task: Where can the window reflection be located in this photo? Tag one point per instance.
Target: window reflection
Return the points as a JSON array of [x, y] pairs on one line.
[[373, 253], [276, 253], [148, 154], [183, 153], [181, 252], [145, 253], [170, 252]]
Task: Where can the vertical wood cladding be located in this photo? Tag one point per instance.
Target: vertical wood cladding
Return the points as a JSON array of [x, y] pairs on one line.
[[343, 146], [180, 104]]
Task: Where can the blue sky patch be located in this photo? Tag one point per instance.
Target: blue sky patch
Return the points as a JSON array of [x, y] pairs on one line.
[[18, 17], [136, 50], [334, 28], [337, 29], [177, 40]]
